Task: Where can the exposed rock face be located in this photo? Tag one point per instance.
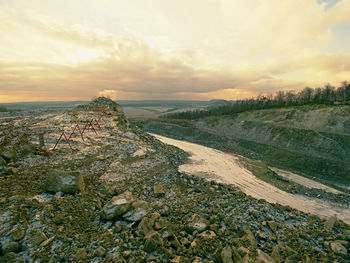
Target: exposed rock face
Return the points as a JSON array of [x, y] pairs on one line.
[[66, 182], [117, 206]]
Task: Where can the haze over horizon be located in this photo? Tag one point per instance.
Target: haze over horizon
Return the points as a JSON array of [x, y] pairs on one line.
[[190, 50]]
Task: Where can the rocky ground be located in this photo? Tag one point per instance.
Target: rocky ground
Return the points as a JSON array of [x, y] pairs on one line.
[[118, 197]]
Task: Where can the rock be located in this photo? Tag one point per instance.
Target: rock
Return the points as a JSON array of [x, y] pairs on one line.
[[160, 223], [47, 241], [254, 213], [35, 237], [158, 190], [153, 241], [263, 257], [146, 224], [2, 162], [281, 251], [243, 251], [11, 170], [248, 236], [117, 206], [338, 248], [8, 247], [272, 225], [59, 219], [139, 210], [197, 223], [3, 200], [18, 234], [226, 255], [12, 257], [330, 223], [235, 255], [80, 254], [62, 181], [207, 234], [100, 251], [176, 259]]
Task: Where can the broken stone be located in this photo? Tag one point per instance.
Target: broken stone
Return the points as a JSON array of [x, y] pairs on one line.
[[263, 257], [338, 248], [139, 210], [153, 241], [243, 251], [117, 206], [197, 223], [47, 241], [207, 234], [249, 236], [235, 255], [226, 255], [254, 213], [158, 190], [145, 226], [330, 223], [272, 225], [35, 238], [281, 251], [11, 170], [18, 234], [8, 247], [2, 162], [100, 251], [62, 181]]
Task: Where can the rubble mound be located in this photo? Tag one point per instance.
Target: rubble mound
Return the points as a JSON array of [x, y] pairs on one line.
[[102, 103]]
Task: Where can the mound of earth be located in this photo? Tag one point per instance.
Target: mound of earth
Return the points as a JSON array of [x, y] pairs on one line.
[[119, 197]]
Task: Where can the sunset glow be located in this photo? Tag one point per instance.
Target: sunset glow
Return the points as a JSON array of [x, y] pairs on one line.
[[162, 49]]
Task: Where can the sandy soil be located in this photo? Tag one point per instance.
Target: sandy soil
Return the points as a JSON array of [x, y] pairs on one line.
[[225, 168]]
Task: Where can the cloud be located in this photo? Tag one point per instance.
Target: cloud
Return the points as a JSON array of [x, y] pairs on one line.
[[252, 47]]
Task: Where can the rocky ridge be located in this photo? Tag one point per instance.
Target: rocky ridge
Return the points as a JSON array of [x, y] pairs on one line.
[[127, 202]]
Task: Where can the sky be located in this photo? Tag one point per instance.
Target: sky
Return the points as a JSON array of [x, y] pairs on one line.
[[164, 49]]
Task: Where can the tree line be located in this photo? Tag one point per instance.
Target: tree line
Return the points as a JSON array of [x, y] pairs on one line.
[[328, 95]]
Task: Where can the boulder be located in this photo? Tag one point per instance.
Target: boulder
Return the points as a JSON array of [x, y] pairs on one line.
[[263, 257], [117, 206], [34, 238], [100, 251], [62, 181], [8, 247], [158, 190], [153, 241], [226, 255], [272, 225], [197, 223], [2, 162], [146, 224], [139, 210], [338, 248]]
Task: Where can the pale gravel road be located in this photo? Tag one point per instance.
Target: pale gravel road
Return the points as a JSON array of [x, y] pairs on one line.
[[225, 168]]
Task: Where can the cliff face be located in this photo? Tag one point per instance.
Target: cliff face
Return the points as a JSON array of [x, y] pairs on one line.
[[310, 140]]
